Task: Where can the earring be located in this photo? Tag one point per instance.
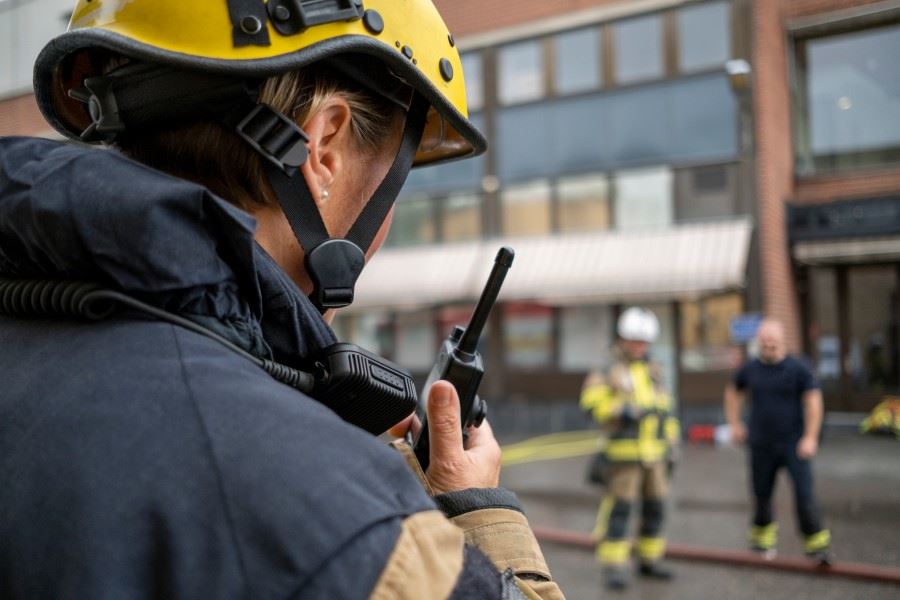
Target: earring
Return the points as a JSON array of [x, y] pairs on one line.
[[323, 197]]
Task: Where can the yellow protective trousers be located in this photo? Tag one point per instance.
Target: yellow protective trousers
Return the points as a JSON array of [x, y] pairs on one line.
[[626, 483]]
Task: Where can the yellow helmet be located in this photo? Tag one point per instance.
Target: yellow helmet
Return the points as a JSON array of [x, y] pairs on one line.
[[257, 39]]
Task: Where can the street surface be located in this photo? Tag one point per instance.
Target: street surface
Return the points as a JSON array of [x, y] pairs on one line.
[[858, 487]]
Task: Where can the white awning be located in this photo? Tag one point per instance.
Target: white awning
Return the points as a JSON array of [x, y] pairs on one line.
[[828, 252], [680, 262]]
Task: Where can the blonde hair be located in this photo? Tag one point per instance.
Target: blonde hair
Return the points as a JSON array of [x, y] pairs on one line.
[[211, 154]]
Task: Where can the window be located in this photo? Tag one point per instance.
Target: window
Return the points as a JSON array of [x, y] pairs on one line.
[[583, 203], [824, 330], [471, 64], [526, 209], [528, 335], [521, 68], [413, 222], [643, 198], [706, 192], [638, 49], [585, 337], [577, 61], [462, 217], [704, 36], [706, 333], [691, 119], [849, 100], [416, 341], [371, 330]]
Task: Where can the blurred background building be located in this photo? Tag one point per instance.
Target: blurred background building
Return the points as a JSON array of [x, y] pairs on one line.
[[712, 160]]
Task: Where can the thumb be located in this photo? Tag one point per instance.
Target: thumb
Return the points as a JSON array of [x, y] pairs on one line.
[[444, 427]]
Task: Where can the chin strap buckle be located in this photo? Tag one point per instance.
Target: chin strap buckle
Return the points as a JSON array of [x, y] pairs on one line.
[[276, 137], [334, 266], [100, 97]]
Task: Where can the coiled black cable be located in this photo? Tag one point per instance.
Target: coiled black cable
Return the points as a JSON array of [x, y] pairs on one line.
[[75, 299], [33, 298]]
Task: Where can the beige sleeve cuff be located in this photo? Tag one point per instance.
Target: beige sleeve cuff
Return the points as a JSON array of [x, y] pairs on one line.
[[506, 539]]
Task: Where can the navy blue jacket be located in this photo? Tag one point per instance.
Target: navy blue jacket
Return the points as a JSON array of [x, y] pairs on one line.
[[139, 459]]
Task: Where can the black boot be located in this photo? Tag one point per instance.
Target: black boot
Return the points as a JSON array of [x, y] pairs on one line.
[[616, 578], [655, 570], [823, 557]]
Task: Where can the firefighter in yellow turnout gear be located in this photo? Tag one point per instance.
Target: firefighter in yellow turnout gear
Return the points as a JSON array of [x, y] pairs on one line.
[[635, 411]]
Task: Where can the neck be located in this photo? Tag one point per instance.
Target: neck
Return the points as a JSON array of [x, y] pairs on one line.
[[275, 235]]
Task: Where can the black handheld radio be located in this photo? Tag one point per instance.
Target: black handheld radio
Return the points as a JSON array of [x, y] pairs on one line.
[[460, 363]]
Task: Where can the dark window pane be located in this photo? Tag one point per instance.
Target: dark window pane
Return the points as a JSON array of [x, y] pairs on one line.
[[639, 125], [525, 141], [521, 68], [638, 49], [577, 61], [413, 222], [471, 64], [704, 119], [706, 192], [687, 120], [704, 35], [824, 330], [853, 84], [872, 358]]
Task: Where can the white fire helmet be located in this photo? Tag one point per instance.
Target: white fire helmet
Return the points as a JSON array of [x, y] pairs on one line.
[[639, 325]]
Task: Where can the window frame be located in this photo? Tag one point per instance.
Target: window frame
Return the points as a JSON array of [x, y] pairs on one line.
[[806, 164]]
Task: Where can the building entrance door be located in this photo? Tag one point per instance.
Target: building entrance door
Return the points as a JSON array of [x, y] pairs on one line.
[[871, 361], [854, 333]]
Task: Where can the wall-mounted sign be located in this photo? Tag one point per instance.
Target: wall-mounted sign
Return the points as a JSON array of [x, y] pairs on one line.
[[743, 327], [844, 219]]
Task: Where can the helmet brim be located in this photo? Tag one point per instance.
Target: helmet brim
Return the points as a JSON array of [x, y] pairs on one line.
[[65, 62]]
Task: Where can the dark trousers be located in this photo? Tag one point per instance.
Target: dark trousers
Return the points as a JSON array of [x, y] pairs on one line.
[[765, 460]]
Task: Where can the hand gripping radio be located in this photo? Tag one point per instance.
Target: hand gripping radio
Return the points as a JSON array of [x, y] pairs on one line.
[[460, 363]]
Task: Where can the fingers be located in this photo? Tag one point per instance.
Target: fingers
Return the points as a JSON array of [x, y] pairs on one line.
[[410, 424], [483, 443], [444, 427]]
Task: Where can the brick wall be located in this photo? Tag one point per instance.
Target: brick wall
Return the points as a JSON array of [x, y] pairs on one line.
[[774, 154], [774, 164], [20, 116], [466, 17], [860, 184]]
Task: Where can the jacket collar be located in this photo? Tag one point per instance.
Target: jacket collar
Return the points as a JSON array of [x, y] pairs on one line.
[[95, 215]]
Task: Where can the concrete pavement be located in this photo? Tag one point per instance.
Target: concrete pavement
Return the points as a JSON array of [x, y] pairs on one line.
[[858, 485]]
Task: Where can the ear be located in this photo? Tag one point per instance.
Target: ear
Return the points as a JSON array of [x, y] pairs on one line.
[[330, 136]]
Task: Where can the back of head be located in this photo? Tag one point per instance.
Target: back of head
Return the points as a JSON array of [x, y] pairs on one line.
[[218, 92]]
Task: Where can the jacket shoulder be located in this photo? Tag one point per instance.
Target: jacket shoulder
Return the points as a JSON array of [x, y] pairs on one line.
[[295, 477]]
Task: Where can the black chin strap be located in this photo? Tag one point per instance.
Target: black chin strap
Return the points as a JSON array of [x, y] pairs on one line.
[[334, 264], [153, 94]]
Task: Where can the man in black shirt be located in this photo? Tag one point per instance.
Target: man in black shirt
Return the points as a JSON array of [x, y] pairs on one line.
[[785, 419]]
